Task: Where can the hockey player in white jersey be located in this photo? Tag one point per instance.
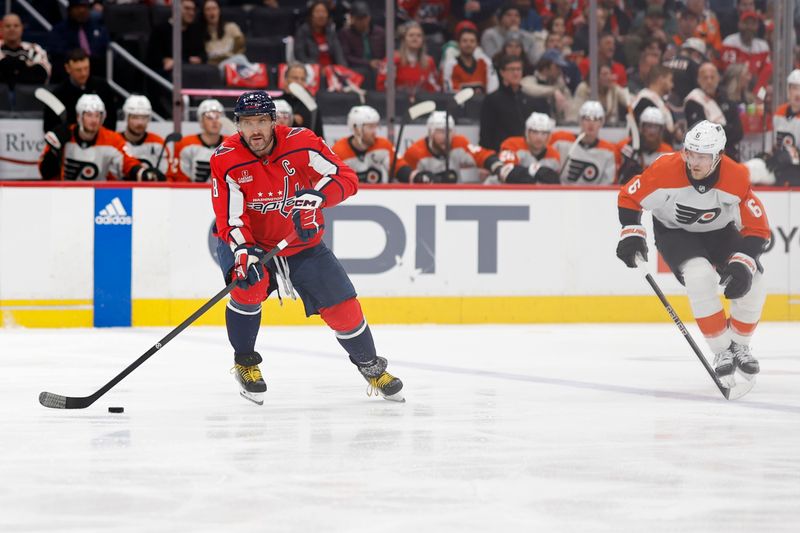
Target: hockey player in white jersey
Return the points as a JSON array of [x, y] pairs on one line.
[[645, 145], [711, 229], [783, 166], [88, 151], [364, 151], [533, 152], [586, 159], [142, 144], [193, 153]]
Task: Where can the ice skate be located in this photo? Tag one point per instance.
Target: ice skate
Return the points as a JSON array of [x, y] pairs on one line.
[[381, 382], [746, 364], [250, 380], [724, 366]]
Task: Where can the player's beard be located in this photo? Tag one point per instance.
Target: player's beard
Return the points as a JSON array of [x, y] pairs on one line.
[[261, 145]]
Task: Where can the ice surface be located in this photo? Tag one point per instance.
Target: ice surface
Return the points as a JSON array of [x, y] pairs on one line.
[[562, 428]]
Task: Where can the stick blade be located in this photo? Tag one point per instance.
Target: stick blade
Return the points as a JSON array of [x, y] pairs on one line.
[[423, 108], [463, 95], [740, 389], [53, 401], [50, 100], [303, 95], [173, 137]]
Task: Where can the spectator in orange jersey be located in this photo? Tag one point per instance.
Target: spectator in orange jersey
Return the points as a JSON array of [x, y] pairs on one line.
[[468, 69]]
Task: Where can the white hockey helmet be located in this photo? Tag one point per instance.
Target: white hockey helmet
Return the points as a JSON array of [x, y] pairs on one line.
[[282, 107], [90, 102], [705, 138], [137, 104], [362, 114], [794, 77], [539, 122], [436, 121], [652, 115], [209, 105], [592, 109]]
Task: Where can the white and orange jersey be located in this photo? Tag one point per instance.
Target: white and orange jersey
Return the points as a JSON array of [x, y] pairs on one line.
[[642, 156], [372, 165], [594, 164], [463, 155], [515, 150], [695, 206], [105, 158], [786, 124], [148, 149], [192, 159]]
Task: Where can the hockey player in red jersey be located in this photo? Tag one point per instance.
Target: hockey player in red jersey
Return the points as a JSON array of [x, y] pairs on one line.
[[364, 151], [269, 182], [142, 144], [711, 229], [193, 152], [88, 151]]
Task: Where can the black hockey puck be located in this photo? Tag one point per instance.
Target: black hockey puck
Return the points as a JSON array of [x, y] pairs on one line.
[[116, 409]]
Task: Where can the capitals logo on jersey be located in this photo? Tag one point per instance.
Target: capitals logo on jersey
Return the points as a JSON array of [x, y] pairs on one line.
[[689, 215], [585, 170]]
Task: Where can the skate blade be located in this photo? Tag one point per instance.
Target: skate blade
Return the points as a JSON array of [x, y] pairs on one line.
[[737, 389], [255, 397], [396, 397]]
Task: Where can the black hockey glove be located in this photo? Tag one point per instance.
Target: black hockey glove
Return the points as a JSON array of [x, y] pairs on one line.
[[446, 176], [422, 176], [152, 174], [307, 213], [632, 242], [57, 138], [547, 175], [737, 276], [511, 173], [247, 269]]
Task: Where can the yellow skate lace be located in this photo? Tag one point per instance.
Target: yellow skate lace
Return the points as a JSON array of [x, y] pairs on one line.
[[248, 373], [374, 385]]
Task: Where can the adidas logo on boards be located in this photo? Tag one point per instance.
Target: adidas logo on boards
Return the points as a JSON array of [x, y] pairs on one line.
[[113, 214]]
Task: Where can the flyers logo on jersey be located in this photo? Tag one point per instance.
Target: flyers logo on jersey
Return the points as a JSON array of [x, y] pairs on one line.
[[786, 139], [685, 214], [371, 175], [80, 170], [582, 170]]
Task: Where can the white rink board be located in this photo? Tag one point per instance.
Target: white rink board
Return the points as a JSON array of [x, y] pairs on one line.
[[564, 246]]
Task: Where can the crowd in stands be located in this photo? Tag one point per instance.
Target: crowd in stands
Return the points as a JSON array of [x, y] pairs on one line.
[[690, 59]]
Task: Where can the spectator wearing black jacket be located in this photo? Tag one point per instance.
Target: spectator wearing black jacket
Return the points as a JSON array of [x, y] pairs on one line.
[[79, 30], [193, 48], [363, 43], [504, 111], [79, 82]]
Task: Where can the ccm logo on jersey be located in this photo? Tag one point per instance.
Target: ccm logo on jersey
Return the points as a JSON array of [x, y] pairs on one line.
[[689, 215]]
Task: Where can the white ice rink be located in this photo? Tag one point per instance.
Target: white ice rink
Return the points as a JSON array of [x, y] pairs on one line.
[[580, 428]]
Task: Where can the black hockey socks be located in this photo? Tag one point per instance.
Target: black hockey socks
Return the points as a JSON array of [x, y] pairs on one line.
[[358, 343], [242, 322]]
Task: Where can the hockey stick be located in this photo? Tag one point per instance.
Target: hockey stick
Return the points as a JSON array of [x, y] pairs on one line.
[[732, 393], [421, 109], [171, 138], [51, 101], [571, 151], [305, 97], [57, 401], [460, 99]]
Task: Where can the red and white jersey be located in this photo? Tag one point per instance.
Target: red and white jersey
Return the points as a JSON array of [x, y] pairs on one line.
[[756, 55], [104, 158], [191, 162], [372, 165], [594, 164], [253, 197], [463, 155], [665, 189], [786, 124], [30, 53], [148, 149], [515, 150]]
